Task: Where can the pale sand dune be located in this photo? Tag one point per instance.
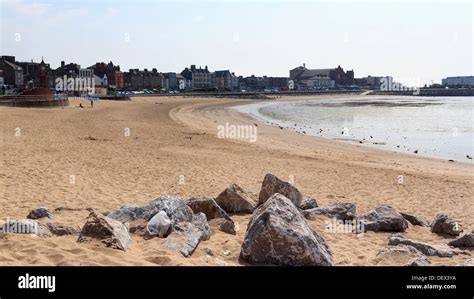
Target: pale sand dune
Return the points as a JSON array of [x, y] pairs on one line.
[[173, 137]]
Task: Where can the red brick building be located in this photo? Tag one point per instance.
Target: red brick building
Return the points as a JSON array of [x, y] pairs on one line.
[[119, 80]]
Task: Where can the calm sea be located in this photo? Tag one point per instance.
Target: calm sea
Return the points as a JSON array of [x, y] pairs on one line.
[[441, 127]]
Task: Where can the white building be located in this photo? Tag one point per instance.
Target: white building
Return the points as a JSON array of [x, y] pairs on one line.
[[308, 79], [100, 86], [100, 81]]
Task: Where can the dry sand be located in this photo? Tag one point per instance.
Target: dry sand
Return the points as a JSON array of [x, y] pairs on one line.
[[175, 137]]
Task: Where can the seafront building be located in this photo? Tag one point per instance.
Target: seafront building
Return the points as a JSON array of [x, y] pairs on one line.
[[458, 81], [372, 82], [12, 72], [110, 70], [136, 79], [200, 77], [32, 73], [119, 80], [321, 78], [171, 80], [70, 70], [16, 77], [183, 83], [224, 80], [257, 83]]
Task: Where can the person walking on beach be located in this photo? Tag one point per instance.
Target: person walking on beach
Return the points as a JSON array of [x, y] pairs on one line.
[[92, 103]]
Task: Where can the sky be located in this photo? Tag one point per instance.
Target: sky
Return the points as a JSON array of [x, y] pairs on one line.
[[420, 41]]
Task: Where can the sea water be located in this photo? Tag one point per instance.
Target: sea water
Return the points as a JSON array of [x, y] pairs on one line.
[[441, 127]]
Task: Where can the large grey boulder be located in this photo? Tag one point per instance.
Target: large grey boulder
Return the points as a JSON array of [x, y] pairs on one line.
[[235, 200], [415, 220], [441, 250], [174, 207], [310, 203], [208, 206], [341, 211], [466, 240], [159, 225], [278, 234], [110, 232], [444, 225], [184, 239], [384, 218], [271, 185], [40, 213]]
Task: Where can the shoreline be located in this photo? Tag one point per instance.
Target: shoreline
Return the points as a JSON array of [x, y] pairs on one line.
[[236, 116], [174, 137]]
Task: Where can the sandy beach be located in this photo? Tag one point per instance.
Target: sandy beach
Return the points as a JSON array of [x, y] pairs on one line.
[[134, 151]]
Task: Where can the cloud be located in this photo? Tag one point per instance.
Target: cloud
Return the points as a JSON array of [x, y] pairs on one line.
[[112, 11], [198, 19], [66, 16], [36, 10], [21, 8]]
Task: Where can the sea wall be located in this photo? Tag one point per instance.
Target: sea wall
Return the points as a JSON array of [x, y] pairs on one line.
[[431, 92], [46, 101]]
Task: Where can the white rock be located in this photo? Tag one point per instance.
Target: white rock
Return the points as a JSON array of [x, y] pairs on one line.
[[159, 225]]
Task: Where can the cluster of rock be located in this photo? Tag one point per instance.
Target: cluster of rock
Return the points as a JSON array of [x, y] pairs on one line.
[[440, 250], [420, 251], [442, 225], [184, 224], [278, 232], [411, 255]]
